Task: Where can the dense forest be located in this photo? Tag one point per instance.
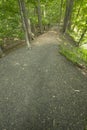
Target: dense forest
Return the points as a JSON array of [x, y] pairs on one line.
[[70, 14], [24, 19]]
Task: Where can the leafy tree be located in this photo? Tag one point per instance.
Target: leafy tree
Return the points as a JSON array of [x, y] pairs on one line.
[[79, 21], [10, 24]]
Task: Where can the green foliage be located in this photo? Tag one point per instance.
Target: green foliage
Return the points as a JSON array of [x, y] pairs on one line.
[[79, 18], [74, 54], [50, 12], [34, 20], [53, 11], [10, 23], [45, 21]]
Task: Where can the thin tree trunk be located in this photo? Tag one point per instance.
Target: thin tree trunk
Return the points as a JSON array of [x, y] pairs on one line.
[[39, 16], [68, 13], [66, 17], [82, 36], [1, 51], [24, 21]]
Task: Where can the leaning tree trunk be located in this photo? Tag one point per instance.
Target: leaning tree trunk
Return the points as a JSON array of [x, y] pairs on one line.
[[39, 16], [82, 36], [68, 13], [24, 21]]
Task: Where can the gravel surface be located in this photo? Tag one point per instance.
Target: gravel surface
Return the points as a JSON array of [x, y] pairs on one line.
[[41, 90]]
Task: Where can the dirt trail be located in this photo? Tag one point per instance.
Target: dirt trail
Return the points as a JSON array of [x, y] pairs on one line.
[[41, 90]]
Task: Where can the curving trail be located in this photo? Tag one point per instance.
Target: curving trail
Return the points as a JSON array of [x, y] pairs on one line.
[[41, 90]]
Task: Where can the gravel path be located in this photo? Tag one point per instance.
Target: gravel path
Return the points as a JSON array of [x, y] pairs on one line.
[[41, 90]]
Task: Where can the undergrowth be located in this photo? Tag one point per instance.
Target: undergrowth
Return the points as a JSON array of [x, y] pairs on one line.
[[75, 54]]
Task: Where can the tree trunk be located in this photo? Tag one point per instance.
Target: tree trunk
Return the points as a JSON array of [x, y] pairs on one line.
[[24, 21], [39, 16], [1, 51], [68, 13], [82, 36]]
